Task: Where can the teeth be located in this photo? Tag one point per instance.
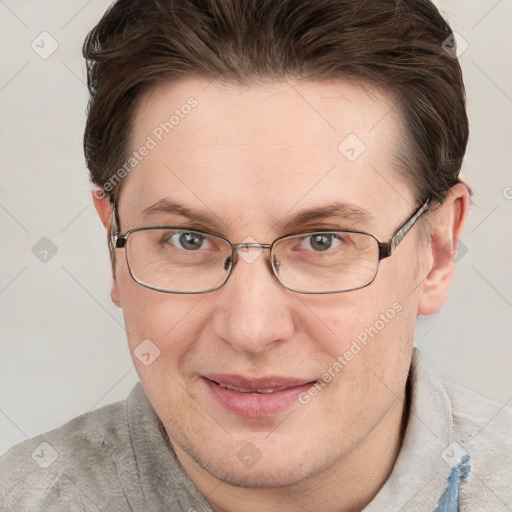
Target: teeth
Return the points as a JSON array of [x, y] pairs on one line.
[[234, 388], [245, 390]]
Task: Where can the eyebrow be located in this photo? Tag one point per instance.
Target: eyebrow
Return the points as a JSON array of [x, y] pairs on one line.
[[172, 207], [346, 211]]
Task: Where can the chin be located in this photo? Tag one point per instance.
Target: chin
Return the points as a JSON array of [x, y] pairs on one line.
[[272, 467], [264, 475]]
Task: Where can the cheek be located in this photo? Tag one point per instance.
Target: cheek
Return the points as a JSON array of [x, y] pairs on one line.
[[170, 321], [367, 335], [377, 311]]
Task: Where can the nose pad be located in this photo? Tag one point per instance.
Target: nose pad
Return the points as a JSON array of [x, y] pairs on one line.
[[275, 264], [227, 263]]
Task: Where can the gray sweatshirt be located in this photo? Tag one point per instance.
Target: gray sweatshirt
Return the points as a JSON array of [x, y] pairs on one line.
[[456, 456]]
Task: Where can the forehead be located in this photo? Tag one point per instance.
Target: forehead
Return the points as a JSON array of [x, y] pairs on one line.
[[266, 149], [302, 110]]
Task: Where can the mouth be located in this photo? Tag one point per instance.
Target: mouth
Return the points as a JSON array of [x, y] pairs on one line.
[[248, 390], [256, 398]]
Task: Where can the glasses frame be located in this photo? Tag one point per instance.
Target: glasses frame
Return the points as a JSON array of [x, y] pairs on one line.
[[386, 249]]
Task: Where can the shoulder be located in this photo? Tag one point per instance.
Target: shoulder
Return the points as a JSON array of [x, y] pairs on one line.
[[69, 467], [482, 430], [479, 421]]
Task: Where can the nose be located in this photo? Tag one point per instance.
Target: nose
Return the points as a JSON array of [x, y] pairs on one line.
[[254, 310]]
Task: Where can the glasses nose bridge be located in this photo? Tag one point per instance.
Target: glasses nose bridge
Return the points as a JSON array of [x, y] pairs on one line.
[[245, 245], [236, 247]]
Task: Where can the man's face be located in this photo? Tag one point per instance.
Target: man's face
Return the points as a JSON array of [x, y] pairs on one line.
[[252, 158]]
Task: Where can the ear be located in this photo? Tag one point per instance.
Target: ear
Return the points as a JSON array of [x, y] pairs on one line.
[[104, 208], [446, 223]]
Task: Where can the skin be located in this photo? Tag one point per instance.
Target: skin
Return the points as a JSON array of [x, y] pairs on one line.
[[252, 156]]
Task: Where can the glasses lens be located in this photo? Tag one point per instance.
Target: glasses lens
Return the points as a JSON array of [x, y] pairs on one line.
[[187, 261], [326, 261], [178, 260]]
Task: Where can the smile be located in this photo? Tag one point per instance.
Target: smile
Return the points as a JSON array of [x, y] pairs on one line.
[[245, 390], [255, 398]]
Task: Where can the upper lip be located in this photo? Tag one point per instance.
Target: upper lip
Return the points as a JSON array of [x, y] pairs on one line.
[[258, 383]]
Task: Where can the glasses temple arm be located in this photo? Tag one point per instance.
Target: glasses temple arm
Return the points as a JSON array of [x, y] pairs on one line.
[[387, 249], [114, 229]]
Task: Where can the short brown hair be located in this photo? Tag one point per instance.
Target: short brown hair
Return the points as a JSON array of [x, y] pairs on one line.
[[398, 45]]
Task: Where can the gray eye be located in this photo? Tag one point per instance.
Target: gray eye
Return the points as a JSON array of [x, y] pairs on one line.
[[190, 241], [321, 241]]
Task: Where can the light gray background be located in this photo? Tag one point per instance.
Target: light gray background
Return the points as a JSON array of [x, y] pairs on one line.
[[63, 349]]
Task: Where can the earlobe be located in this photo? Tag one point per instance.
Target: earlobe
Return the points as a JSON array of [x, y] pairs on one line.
[[446, 223], [114, 293]]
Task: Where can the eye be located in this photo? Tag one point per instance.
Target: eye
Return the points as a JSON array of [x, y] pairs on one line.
[[320, 242], [189, 240]]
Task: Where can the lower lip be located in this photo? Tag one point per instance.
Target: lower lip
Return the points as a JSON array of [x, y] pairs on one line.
[[256, 405]]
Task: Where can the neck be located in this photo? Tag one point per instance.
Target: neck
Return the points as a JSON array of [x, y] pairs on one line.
[[347, 486]]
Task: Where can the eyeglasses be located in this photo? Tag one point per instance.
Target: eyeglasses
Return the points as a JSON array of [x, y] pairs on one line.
[[174, 259]]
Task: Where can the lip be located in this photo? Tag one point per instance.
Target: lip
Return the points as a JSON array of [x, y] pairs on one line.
[[251, 404]]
